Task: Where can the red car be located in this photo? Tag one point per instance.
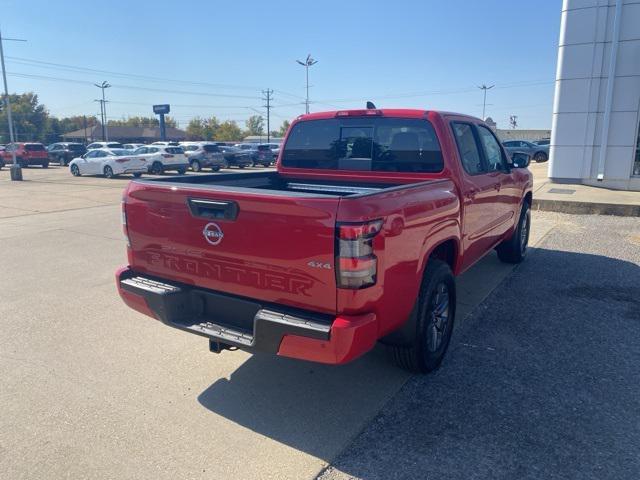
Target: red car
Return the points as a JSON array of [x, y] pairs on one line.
[[27, 154], [356, 238]]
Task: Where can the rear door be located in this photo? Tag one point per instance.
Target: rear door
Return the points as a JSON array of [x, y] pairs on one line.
[[478, 193], [274, 247]]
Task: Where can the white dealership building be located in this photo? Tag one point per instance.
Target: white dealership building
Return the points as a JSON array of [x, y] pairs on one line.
[[596, 112]]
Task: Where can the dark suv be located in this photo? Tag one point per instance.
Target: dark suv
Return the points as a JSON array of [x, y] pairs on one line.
[[64, 152]]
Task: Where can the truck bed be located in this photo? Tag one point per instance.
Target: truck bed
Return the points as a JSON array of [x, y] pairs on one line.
[[275, 182]]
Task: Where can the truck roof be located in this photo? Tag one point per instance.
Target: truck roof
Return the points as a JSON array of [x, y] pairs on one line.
[[385, 112]]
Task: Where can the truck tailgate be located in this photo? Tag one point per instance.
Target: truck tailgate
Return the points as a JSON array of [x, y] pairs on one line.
[[274, 248]]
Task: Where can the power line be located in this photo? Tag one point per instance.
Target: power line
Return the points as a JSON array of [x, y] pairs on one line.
[[131, 87], [75, 68]]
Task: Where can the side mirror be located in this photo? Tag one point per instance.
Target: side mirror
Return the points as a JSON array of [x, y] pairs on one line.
[[520, 160]]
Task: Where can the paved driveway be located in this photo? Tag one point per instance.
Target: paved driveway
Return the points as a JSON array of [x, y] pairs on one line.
[[91, 389], [541, 382]]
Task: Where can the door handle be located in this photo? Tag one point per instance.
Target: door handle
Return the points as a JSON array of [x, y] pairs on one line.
[[211, 209], [471, 193]]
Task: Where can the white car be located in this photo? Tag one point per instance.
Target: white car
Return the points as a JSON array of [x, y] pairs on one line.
[[95, 145], [161, 158], [132, 146], [108, 162]]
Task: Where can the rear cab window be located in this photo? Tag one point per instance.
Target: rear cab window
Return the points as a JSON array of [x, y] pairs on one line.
[[34, 147], [364, 144]]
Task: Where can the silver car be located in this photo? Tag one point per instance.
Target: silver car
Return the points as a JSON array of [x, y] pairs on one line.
[[204, 155], [540, 153]]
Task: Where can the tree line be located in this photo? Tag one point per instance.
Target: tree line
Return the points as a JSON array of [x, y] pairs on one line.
[[32, 122]]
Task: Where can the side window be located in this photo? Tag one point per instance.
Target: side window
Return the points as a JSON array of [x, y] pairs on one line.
[[468, 148], [92, 154], [492, 151], [152, 150]]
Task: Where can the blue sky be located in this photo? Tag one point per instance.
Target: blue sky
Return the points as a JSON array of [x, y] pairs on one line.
[[213, 58]]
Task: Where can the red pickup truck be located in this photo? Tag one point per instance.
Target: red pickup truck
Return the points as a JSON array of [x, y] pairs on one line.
[[356, 238]]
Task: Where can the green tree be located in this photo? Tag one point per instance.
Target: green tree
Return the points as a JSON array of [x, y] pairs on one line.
[[137, 121], [30, 118], [283, 128], [255, 125], [228, 131], [202, 128], [56, 127]]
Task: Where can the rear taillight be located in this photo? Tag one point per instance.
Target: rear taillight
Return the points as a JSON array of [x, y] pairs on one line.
[[356, 265], [125, 230]]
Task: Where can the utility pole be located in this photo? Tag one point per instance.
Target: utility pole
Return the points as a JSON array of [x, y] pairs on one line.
[[306, 64], [16, 170], [101, 116], [484, 88], [267, 98], [103, 109]]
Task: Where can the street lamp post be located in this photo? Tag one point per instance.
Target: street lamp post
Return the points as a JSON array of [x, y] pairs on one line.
[[16, 170], [306, 64], [484, 88], [103, 110]]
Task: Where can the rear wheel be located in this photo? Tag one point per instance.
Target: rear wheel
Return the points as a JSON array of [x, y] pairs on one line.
[[434, 322], [137, 175], [45, 165], [540, 157], [182, 170], [241, 166], [75, 171], [157, 168], [108, 172], [195, 166], [215, 169], [514, 249]]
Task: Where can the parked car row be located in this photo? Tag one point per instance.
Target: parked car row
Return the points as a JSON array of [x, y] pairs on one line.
[[159, 156]]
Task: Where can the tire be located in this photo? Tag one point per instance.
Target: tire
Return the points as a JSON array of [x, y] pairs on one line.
[[45, 165], [108, 172], [195, 166], [156, 168], [137, 175], [215, 169], [436, 310], [540, 157], [241, 166], [514, 250], [182, 170], [75, 171]]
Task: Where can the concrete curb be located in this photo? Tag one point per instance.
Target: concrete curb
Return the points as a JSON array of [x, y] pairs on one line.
[[586, 208]]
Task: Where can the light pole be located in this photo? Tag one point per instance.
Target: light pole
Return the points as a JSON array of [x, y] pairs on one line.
[[103, 110], [484, 88], [16, 170], [306, 64]]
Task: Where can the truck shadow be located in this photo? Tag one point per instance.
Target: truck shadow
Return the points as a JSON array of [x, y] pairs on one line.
[[522, 372], [311, 407]]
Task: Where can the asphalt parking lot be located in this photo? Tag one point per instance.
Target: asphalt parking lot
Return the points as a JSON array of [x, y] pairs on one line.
[[91, 389]]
